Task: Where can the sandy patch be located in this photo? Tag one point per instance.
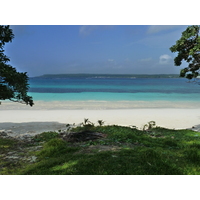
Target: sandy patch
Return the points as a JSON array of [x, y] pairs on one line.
[[35, 121]]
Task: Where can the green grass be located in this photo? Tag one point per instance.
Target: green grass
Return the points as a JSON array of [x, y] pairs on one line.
[[11, 145], [157, 152], [6, 143], [45, 136]]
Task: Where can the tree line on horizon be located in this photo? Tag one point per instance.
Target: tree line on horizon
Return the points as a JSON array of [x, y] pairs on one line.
[[108, 75]]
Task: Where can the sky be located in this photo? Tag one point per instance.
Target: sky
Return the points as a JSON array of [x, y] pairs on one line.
[[101, 49]]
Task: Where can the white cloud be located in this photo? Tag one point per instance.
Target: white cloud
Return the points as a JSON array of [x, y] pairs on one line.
[[110, 60], [158, 28], [164, 59]]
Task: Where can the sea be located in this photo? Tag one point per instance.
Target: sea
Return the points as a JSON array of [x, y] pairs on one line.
[[107, 87]]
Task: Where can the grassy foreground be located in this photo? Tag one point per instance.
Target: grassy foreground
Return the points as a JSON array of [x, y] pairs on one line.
[[124, 151]]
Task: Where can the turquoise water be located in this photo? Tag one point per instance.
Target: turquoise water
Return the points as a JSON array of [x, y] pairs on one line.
[[85, 88]]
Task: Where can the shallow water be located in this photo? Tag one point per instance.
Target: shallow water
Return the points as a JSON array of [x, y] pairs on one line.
[[100, 88]]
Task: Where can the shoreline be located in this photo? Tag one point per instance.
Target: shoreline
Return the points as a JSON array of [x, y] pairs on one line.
[[37, 121], [51, 116], [98, 105]]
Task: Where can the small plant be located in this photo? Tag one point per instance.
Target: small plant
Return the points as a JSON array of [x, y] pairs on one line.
[[100, 122], [69, 127], [87, 125], [87, 122], [149, 126]]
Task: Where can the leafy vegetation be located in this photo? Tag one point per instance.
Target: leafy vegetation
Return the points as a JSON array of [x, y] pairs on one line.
[[188, 48], [45, 136], [6, 144], [13, 85], [124, 150], [9, 148]]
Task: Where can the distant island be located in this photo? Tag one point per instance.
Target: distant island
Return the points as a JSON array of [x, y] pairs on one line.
[[109, 76]]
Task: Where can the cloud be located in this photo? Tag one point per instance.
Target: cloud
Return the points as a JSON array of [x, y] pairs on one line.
[[158, 28], [164, 59], [110, 60], [159, 36]]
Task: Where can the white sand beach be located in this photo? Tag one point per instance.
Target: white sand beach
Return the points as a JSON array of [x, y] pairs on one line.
[[54, 116]]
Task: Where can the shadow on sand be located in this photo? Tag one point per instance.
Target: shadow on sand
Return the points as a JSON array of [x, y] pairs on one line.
[[32, 128]]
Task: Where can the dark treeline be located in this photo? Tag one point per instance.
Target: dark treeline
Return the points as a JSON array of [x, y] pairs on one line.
[[109, 76]]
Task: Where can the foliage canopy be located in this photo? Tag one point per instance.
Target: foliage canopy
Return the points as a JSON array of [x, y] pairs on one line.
[[188, 48], [13, 85]]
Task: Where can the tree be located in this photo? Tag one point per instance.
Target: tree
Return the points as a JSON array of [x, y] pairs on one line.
[[188, 48], [13, 85]]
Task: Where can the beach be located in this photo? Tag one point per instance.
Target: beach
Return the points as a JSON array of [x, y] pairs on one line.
[[53, 116], [124, 100]]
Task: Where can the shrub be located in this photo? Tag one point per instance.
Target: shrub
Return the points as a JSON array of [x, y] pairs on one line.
[[45, 136]]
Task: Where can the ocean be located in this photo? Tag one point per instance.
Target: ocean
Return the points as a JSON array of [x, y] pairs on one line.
[[85, 87]]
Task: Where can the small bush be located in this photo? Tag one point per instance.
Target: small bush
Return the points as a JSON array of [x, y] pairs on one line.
[[55, 143], [45, 136], [53, 148], [100, 122]]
